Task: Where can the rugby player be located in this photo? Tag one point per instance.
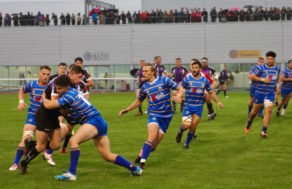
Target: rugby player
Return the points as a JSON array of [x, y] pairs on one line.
[[268, 77], [93, 126], [157, 91]]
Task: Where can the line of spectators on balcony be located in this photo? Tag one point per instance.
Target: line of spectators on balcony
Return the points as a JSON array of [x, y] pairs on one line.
[[184, 15]]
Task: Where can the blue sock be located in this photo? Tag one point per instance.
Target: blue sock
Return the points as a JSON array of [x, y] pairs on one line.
[[49, 151], [249, 109], [285, 106], [125, 163], [248, 124], [264, 129], [146, 150], [74, 160], [189, 138], [19, 154]]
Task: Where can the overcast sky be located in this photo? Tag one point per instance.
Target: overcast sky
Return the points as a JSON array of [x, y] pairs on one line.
[[50, 6]]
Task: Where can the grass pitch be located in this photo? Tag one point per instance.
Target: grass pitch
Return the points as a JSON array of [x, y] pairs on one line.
[[222, 156]]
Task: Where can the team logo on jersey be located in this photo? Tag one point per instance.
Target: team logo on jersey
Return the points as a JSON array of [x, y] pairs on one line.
[[38, 99], [199, 91], [157, 96], [194, 90]]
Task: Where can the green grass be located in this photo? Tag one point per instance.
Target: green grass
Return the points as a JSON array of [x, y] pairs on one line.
[[221, 157]]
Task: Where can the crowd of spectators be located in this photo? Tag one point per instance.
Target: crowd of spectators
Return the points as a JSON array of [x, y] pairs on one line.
[[184, 15]]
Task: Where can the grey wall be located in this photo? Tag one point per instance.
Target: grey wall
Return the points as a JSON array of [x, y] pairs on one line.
[[208, 4], [126, 44]]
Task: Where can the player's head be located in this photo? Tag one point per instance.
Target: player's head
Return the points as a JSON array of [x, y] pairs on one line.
[[178, 62], [261, 60], [62, 68], [148, 71], [225, 67], [62, 84], [44, 74], [142, 62], [290, 64], [270, 58], [79, 61], [75, 73], [195, 66], [204, 62], [157, 59]]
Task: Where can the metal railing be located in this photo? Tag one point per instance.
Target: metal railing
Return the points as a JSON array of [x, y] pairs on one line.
[[100, 84]]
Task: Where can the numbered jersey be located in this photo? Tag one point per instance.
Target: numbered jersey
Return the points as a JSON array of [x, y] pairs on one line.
[[265, 72], [36, 92], [158, 93], [194, 98], [79, 107]]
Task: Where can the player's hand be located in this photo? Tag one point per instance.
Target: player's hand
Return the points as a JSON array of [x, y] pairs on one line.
[[220, 105], [124, 111], [176, 99], [267, 80], [21, 106]]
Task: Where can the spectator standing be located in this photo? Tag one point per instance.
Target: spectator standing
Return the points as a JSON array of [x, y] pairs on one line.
[[7, 20], [123, 17], [55, 19], [129, 17], [15, 20], [1, 18], [213, 14], [73, 21], [68, 18], [48, 20], [78, 17], [205, 15], [289, 13], [63, 20], [283, 13]]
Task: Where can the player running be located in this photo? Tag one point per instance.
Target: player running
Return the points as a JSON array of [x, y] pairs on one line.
[[209, 72], [286, 88], [253, 86], [178, 73], [36, 89], [268, 76], [93, 126], [157, 90], [195, 83]]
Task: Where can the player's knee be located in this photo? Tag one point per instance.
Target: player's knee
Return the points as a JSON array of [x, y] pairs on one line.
[[27, 135], [55, 145], [186, 124], [73, 143]]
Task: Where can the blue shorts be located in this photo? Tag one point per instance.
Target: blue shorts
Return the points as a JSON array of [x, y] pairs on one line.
[[187, 112], [100, 125], [163, 123], [285, 91], [30, 119], [259, 97], [252, 91]]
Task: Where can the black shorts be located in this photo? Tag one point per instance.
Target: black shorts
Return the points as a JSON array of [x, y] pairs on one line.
[[47, 120]]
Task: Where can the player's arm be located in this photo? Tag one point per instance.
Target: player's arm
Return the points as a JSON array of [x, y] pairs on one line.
[[90, 83], [178, 94], [51, 104], [215, 98], [253, 77], [21, 104], [134, 105], [283, 78]]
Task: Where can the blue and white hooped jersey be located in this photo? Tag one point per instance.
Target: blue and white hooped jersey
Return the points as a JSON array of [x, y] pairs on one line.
[[36, 92], [265, 72], [253, 83], [79, 107], [158, 93], [287, 73], [194, 97]]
